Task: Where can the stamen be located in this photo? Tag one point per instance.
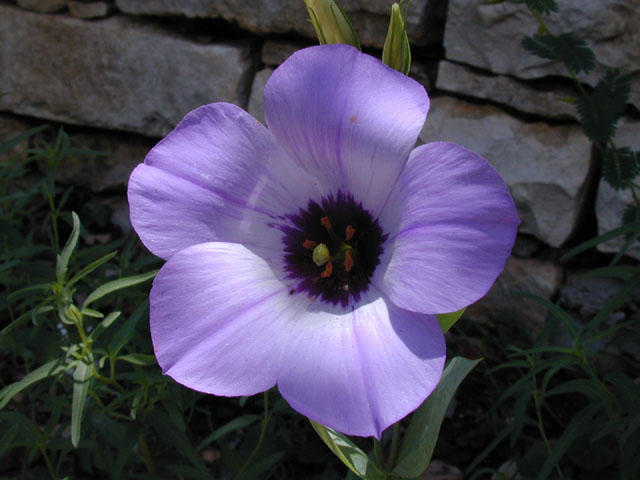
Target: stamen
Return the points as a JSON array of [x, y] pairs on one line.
[[348, 261], [320, 255], [349, 231], [309, 244], [326, 223], [327, 270]]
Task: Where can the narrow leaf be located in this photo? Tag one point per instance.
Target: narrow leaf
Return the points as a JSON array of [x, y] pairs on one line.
[[349, 453], [81, 377], [422, 433], [106, 323], [62, 263], [237, 423], [91, 267], [625, 229], [138, 359], [114, 285], [49, 369]]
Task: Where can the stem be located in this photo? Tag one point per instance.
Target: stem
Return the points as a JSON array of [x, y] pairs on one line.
[[263, 431], [395, 446], [52, 472], [146, 453], [536, 400], [377, 451]]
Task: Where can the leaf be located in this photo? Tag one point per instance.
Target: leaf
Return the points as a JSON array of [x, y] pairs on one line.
[[90, 268], [600, 110], [397, 51], [106, 323], [625, 229], [447, 320], [619, 167], [349, 453], [62, 262], [543, 7], [578, 425], [81, 376], [422, 433], [239, 422], [7, 145], [138, 359], [615, 302], [49, 369], [573, 328], [567, 48], [631, 214], [119, 284]]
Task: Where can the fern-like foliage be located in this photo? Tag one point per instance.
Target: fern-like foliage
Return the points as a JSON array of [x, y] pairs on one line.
[[544, 7], [567, 48], [631, 214], [599, 111], [619, 167]]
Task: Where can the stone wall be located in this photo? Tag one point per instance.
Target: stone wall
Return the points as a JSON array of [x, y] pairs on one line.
[[121, 73]]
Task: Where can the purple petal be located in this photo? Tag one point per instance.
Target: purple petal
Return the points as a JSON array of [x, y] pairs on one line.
[[219, 319], [452, 225], [361, 371], [347, 118], [219, 176]]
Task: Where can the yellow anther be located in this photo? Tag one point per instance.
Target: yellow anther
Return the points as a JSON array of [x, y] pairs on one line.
[[348, 261]]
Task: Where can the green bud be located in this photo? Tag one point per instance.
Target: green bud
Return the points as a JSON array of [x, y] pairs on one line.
[[397, 52], [331, 23], [320, 254]]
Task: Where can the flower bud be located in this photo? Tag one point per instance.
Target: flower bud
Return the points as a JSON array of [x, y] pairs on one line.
[[396, 52], [331, 23]]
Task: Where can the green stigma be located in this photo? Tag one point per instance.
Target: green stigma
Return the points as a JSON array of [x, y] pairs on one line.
[[320, 254]]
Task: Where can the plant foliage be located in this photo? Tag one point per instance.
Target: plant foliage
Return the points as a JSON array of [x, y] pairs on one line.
[[567, 48]]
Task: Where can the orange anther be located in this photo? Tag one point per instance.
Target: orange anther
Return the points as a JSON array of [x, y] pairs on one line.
[[326, 223], [309, 244], [327, 270], [349, 231], [348, 261]]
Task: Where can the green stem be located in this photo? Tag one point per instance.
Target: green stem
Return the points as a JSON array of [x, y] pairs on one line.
[[395, 446], [538, 404], [377, 451], [263, 431], [52, 472]]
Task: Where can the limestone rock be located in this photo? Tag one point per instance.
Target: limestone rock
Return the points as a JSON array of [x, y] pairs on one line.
[[588, 295], [370, 18], [89, 9], [610, 203], [115, 73], [453, 77], [256, 100], [45, 6], [490, 36], [526, 317], [275, 52], [546, 167]]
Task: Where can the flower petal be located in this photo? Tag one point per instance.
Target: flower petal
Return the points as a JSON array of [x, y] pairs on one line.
[[347, 118], [361, 371], [219, 319], [452, 225], [218, 176]]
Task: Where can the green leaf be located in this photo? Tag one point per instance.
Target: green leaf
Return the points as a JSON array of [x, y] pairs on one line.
[[544, 7], [600, 110], [49, 369], [62, 263], [331, 23], [567, 48], [573, 327], [349, 453], [139, 359], [422, 433], [397, 51], [628, 289], [106, 323], [7, 145], [579, 424], [624, 230], [619, 168], [90, 268], [81, 376], [239, 422], [447, 320], [119, 284]]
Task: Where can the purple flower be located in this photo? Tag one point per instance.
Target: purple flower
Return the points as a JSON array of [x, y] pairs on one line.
[[315, 253]]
